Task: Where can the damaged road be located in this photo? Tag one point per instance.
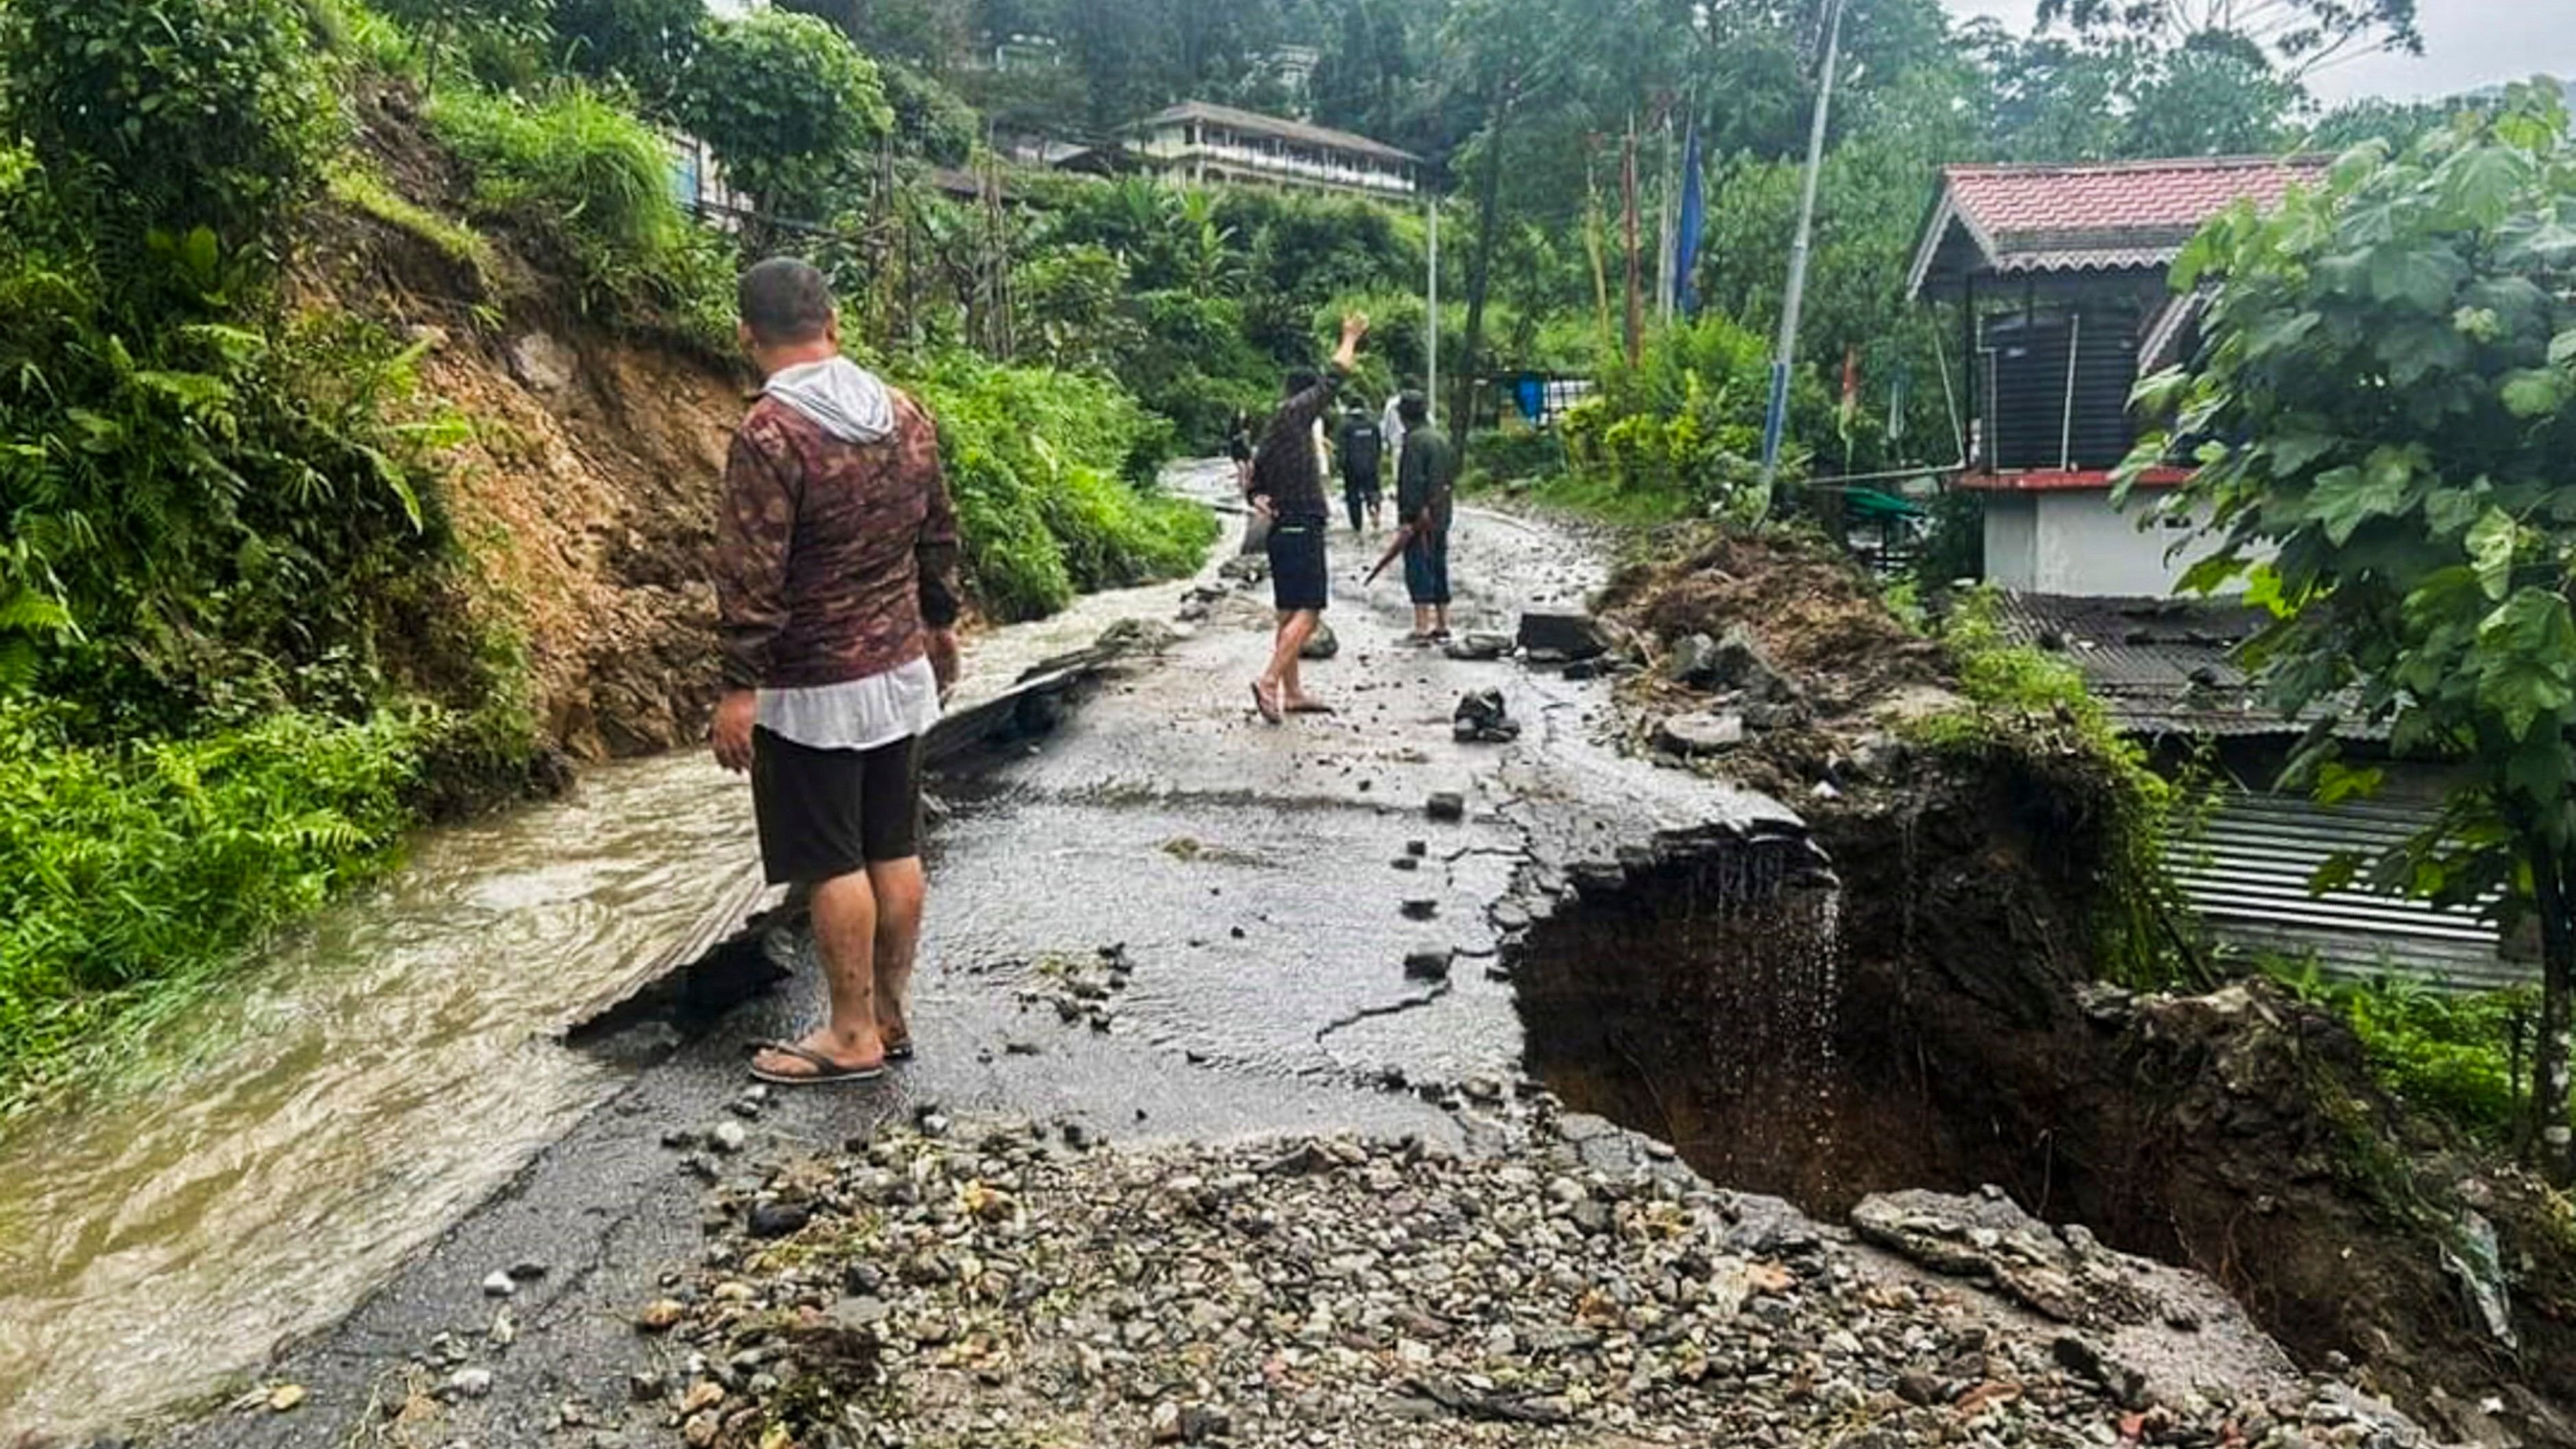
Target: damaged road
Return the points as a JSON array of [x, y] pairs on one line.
[[1217, 946], [1267, 885]]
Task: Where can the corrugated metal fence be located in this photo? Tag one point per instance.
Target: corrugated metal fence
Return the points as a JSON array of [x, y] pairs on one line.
[[2247, 875]]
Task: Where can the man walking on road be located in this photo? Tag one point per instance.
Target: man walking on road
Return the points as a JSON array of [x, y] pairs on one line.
[[1362, 448], [836, 579], [1424, 477], [1288, 490]]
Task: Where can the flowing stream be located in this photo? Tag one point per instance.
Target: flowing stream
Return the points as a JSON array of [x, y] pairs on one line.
[[386, 1067]]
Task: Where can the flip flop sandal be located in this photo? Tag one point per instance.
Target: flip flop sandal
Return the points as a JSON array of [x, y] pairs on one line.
[[825, 1069], [899, 1051], [1312, 708], [1266, 705]]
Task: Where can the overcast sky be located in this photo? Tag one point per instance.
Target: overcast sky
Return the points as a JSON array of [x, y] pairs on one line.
[[2467, 44]]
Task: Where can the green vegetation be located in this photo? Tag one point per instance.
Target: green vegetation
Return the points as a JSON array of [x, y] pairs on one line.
[[2394, 358], [2029, 712], [1038, 462], [361, 188], [128, 873], [788, 106], [2461, 1056]]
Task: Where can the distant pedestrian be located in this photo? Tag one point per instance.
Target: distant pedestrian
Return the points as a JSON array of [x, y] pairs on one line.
[[1363, 449], [836, 573], [1390, 425], [1238, 446], [1288, 491], [1424, 479]]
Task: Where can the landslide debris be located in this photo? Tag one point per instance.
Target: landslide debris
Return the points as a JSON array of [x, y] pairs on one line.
[[1001, 1287]]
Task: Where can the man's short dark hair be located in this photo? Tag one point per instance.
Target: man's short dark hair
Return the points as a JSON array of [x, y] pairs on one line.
[[1302, 378], [785, 301], [1414, 408]]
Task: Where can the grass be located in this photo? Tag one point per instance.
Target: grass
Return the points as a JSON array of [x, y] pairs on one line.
[[2030, 709], [363, 189], [581, 174], [1596, 498]]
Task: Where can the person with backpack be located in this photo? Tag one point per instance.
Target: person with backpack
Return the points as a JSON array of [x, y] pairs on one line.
[[1362, 449]]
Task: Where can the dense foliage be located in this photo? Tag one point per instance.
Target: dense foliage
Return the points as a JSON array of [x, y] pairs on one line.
[[168, 115], [788, 106], [2389, 391], [1040, 465], [129, 870]]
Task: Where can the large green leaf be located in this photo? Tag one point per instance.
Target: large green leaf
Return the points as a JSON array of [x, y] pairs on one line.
[[2417, 273], [2492, 541], [2533, 392]]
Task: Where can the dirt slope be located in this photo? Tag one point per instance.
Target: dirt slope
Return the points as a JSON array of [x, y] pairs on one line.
[[586, 492]]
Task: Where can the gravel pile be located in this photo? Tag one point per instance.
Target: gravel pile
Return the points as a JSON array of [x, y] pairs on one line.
[[1006, 1288]]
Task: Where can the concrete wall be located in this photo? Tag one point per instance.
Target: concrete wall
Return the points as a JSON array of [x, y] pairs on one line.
[[2012, 540], [2087, 547], [2074, 542]]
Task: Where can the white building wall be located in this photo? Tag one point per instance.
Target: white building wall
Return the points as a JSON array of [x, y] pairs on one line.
[[2083, 546], [2012, 541]]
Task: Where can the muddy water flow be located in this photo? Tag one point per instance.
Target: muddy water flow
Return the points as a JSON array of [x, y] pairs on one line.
[[384, 1070]]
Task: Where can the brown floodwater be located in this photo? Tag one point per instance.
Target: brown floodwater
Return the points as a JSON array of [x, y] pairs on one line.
[[386, 1067]]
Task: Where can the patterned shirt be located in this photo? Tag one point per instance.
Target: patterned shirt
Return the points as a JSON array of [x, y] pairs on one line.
[[1289, 469], [832, 557]]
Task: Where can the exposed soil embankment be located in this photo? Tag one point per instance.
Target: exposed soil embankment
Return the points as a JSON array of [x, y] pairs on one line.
[[586, 490], [1935, 1022]]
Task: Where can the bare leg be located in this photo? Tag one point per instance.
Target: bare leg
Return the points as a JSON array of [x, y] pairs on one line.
[[845, 928], [899, 890], [1293, 635], [1440, 618]]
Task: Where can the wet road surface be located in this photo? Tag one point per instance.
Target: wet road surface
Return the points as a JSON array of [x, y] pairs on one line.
[[1249, 871]]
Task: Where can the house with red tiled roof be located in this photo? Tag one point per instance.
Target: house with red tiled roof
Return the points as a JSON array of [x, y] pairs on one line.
[[2059, 276]]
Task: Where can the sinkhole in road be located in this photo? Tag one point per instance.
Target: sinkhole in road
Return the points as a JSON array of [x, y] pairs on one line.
[[1924, 1015]]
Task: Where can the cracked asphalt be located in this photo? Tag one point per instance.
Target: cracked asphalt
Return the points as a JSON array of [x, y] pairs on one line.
[[1266, 883]]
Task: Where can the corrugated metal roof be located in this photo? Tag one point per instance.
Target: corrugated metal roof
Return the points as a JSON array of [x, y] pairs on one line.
[[2161, 666], [2247, 876]]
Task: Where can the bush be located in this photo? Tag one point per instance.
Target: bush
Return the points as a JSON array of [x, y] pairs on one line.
[[789, 107], [1044, 468], [127, 870], [2449, 1053], [169, 115], [588, 181]]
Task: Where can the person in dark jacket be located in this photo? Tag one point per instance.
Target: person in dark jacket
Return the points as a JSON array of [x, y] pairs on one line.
[[1238, 446], [836, 574], [1288, 492], [1424, 478], [1362, 448]]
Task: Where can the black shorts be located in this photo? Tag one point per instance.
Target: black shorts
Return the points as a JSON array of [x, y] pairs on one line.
[[1297, 578], [830, 813]]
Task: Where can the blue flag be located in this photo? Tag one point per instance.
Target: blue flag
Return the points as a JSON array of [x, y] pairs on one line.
[[1694, 220]]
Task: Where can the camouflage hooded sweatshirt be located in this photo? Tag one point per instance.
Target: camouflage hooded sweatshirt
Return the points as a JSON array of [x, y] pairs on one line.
[[836, 547]]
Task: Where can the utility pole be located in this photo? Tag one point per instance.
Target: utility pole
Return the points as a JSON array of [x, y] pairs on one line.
[[1776, 421], [1628, 196], [1431, 344]]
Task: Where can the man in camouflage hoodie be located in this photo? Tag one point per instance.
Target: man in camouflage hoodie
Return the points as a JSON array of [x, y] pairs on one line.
[[836, 579]]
